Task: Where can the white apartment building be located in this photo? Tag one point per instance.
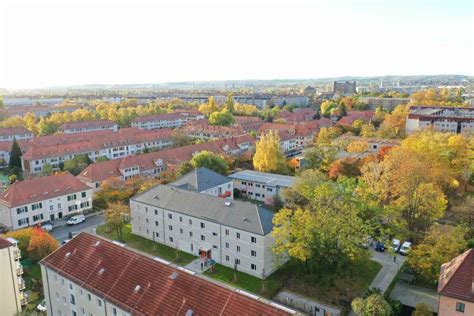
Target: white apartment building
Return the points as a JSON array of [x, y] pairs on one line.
[[12, 285], [210, 227], [88, 126], [34, 201], [206, 181], [27, 102], [443, 119], [8, 134], [168, 120], [261, 186], [93, 276]]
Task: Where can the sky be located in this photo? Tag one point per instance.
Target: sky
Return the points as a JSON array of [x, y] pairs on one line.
[[44, 44]]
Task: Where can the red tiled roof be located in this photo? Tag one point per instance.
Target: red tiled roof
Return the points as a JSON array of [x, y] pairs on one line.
[[87, 124], [356, 115], [4, 243], [143, 286], [201, 126], [101, 171], [298, 115], [62, 144], [5, 131], [41, 188], [6, 146], [456, 278]]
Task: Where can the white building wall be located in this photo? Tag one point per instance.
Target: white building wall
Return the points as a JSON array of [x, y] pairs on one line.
[[10, 293]]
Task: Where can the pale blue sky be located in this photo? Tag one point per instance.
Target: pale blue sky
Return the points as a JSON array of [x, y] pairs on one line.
[[53, 43]]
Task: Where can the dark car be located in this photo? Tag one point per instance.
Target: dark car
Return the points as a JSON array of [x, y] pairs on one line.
[[379, 246]]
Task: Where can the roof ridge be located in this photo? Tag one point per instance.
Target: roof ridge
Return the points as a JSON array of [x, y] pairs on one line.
[[466, 254]]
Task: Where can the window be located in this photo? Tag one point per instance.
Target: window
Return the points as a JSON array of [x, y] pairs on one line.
[[253, 266], [72, 299], [71, 197], [51, 207], [214, 246], [460, 307], [203, 237], [257, 194], [227, 245], [253, 239], [72, 207], [190, 222], [227, 258], [114, 311], [171, 239], [269, 189], [181, 219], [257, 185], [244, 183], [156, 223], [170, 227], [157, 234], [253, 253], [83, 194], [180, 230], [203, 225], [37, 217], [190, 234], [23, 209], [36, 206], [214, 234], [237, 235], [70, 286], [170, 216], [238, 248], [85, 204], [156, 212], [146, 220], [237, 261], [227, 232], [99, 302], [89, 296]]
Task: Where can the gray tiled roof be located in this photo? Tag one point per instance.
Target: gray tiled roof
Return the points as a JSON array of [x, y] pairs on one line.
[[264, 177], [200, 179], [245, 216]]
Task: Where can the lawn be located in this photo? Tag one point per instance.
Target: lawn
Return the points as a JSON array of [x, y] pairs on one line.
[[33, 284], [336, 290], [145, 245]]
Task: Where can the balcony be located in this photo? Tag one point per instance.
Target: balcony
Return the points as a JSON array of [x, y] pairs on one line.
[[23, 299], [21, 284], [17, 254], [19, 269]]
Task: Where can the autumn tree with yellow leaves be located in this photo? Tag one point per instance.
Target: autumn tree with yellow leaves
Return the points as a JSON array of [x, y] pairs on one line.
[[268, 154]]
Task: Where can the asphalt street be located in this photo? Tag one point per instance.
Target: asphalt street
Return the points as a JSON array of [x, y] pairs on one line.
[[62, 233]]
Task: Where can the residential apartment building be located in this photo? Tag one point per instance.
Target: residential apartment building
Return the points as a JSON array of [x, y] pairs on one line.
[[228, 232], [88, 126], [443, 119], [10, 102], [456, 286], [55, 149], [12, 297], [34, 201], [344, 88], [352, 116], [154, 163], [261, 186], [5, 150], [248, 123], [387, 104], [8, 134], [201, 129], [168, 120], [206, 181], [92, 276], [298, 115]]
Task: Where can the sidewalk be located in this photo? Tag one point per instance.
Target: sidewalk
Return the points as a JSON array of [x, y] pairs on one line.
[[389, 269], [305, 304]]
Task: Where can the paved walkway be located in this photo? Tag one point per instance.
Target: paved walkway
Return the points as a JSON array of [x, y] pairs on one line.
[[305, 304], [195, 266], [389, 269], [411, 295]]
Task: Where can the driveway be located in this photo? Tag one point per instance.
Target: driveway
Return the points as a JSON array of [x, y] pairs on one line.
[[89, 225], [411, 295], [389, 268]]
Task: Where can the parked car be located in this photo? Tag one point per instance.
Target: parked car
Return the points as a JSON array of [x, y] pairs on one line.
[[47, 226], [395, 245], [368, 242], [42, 306], [76, 219], [379, 246], [405, 248]]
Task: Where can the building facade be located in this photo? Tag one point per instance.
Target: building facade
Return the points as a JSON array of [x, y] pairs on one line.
[[34, 201], [261, 186], [8, 134], [92, 276], [206, 181], [228, 232], [168, 120], [88, 126], [344, 88], [443, 119], [12, 285]]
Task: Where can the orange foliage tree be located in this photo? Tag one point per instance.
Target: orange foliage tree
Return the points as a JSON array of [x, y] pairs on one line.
[[41, 245]]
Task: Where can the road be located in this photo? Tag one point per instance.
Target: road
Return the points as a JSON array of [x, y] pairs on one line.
[[61, 233], [389, 268]]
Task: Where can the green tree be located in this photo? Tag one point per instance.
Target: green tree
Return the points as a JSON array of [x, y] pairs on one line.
[[327, 134], [180, 138], [319, 157], [15, 155], [222, 118], [77, 164], [229, 103], [47, 169], [373, 305], [422, 309], [441, 244], [117, 215], [101, 158], [211, 161], [328, 107], [269, 155]]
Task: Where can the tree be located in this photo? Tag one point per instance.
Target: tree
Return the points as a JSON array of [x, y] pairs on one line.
[[41, 244], [328, 107], [374, 305], [327, 134], [422, 310], [348, 167], [229, 103], [211, 161], [268, 154], [319, 157], [184, 168], [101, 158], [77, 164], [393, 125], [117, 215], [209, 107], [441, 244], [15, 155], [180, 138], [222, 118], [47, 169]]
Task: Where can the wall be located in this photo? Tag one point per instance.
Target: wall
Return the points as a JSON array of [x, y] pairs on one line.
[[447, 307]]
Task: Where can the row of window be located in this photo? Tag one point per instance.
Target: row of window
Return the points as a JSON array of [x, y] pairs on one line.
[[253, 266]]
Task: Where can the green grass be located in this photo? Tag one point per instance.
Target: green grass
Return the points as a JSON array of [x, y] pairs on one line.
[[33, 284], [333, 289], [145, 245]]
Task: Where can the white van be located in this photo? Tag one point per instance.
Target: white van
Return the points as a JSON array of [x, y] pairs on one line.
[[76, 219], [405, 249], [395, 245]]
